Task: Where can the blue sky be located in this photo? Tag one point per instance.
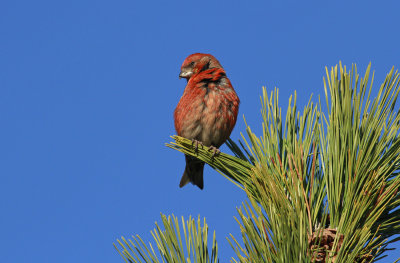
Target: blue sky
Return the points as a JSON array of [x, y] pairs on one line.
[[87, 92]]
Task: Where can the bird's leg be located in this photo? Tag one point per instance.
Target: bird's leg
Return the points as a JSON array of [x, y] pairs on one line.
[[196, 144], [215, 150]]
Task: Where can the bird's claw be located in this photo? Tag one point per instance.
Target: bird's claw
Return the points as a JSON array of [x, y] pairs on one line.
[[196, 144], [215, 150]]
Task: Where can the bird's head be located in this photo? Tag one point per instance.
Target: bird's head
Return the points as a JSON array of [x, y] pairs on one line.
[[196, 63]]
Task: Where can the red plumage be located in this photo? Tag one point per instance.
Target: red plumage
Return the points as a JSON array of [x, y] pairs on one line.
[[207, 110]]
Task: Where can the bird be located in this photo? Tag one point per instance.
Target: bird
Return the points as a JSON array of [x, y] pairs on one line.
[[207, 111]]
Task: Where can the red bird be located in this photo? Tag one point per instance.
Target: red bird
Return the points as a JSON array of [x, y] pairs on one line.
[[207, 110]]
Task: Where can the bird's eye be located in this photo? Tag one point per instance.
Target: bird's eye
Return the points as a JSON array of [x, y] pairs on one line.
[[191, 64]]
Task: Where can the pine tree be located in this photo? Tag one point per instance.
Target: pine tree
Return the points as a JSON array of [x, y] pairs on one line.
[[321, 186]]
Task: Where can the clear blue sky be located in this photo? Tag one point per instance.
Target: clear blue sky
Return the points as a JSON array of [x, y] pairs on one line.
[[87, 92]]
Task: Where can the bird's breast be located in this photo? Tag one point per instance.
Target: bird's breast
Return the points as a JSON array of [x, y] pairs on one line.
[[207, 113]]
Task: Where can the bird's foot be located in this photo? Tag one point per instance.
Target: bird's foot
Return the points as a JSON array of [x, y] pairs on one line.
[[215, 150], [196, 144]]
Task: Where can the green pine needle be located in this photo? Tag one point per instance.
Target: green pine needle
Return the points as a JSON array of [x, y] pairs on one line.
[[309, 176]]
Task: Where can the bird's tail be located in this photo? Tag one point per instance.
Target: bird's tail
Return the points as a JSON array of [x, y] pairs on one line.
[[193, 172]]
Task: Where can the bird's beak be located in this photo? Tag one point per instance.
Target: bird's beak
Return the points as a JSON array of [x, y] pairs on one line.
[[185, 74]]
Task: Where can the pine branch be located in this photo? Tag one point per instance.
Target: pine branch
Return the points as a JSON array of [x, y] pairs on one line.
[[171, 248], [236, 169], [322, 187]]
